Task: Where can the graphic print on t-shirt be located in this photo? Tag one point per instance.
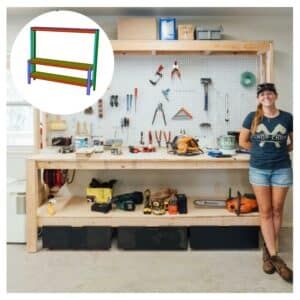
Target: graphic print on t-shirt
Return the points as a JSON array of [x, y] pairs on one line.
[[263, 135]]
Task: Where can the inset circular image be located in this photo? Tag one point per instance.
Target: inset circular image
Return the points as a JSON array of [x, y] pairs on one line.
[[62, 62]]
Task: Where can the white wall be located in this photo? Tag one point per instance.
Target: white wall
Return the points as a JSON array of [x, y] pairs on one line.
[[276, 28]]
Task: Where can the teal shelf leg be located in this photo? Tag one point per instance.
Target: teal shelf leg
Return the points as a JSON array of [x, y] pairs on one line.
[[33, 48], [95, 60]]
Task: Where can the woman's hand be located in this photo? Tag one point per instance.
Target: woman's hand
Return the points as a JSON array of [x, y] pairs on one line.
[[290, 144], [244, 139]]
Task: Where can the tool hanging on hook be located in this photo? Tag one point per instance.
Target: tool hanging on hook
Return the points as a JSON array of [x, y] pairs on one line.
[[206, 82], [159, 108], [227, 119], [175, 71], [158, 75]]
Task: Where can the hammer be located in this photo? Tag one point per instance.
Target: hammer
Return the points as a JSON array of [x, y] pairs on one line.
[[206, 82]]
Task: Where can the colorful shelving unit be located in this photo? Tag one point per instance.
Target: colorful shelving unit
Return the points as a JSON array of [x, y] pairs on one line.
[[90, 69]]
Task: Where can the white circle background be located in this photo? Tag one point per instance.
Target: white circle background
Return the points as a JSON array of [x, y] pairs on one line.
[[54, 97]]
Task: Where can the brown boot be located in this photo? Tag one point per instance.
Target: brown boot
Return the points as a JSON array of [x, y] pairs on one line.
[[267, 264], [282, 269]]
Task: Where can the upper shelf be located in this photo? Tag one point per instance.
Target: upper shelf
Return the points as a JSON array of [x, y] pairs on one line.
[[191, 47]]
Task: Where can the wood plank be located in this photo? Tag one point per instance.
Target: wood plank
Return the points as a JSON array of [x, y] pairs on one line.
[[75, 211], [59, 78], [61, 63], [32, 200], [64, 29], [127, 46]]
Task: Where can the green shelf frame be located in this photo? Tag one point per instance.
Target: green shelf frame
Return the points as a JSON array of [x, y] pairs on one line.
[[90, 68]]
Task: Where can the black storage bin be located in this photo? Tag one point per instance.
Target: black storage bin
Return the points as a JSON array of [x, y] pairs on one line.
[[98, 237], [57, 237], [152, 238], [224, 237], [76, 238]]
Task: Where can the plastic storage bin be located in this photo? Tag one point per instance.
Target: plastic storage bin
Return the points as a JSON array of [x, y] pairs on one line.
[[203, 33]]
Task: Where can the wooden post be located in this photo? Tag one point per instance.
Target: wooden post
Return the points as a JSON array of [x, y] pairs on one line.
[[32, 199], [270, 64], [36, 130]]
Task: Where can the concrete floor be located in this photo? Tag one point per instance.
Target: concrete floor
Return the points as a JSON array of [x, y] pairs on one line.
[[143, 271]]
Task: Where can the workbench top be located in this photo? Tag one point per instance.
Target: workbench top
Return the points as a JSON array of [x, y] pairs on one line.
[[142, 161], [160, 155]]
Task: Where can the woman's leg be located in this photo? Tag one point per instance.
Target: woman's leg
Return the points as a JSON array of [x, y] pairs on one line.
[[278, 198], [264, 200]]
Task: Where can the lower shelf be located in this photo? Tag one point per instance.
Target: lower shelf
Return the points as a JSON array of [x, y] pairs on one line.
[[60, 78], [76, 211]]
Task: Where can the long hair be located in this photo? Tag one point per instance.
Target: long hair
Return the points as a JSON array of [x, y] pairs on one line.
[[259, 114]]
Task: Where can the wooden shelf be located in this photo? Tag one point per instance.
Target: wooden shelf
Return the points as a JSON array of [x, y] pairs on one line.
[[75, 211], [190, 47], [59, 78], [61, 63]]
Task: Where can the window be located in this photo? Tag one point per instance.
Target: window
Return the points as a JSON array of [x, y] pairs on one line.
[[19, 120]]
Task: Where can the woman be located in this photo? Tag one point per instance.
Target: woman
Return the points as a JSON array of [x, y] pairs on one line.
[[268, 134]]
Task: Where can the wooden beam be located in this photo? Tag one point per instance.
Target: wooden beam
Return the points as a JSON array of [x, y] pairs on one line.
[[270, 64]]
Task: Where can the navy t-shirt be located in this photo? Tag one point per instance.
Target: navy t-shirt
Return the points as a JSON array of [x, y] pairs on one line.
[[269, 143]]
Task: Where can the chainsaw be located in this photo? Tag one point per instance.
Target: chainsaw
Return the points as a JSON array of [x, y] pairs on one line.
[[238, 205]]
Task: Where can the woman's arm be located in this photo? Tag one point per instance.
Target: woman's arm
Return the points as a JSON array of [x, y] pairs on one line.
[[290, 144], [244, 139]]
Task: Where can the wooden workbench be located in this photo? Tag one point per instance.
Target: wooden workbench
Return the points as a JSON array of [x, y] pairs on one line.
[[75, 211]]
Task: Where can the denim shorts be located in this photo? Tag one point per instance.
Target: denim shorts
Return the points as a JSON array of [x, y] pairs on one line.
[[280, 177]]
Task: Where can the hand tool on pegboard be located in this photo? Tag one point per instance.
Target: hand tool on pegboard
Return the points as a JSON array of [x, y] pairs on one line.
[[158, 136], [100, 108], [135, 98], [182, 114], [129, 102], [166, 93], [227, 119], [175, 71], [125, 122], [167, 138], [114, 101], [158, 75], [206, 82], [142, 138], [150, 140], [89, 110], [159, 108]]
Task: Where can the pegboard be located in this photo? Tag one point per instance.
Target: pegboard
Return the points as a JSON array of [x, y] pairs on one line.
[[135, 71]]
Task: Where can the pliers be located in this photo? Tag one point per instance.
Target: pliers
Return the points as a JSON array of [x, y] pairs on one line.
[[159, 107], [167, 138], [175, 70], [158, 137]]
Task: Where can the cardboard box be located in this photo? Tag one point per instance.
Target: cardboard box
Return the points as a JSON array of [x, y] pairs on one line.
[[185, 32], [137, 28]]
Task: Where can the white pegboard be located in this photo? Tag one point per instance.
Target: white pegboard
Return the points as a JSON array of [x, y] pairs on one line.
[[135, 71]]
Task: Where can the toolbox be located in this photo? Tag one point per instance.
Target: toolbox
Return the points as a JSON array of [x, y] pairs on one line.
[[224, 237], [152, 238], [76, 238]]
